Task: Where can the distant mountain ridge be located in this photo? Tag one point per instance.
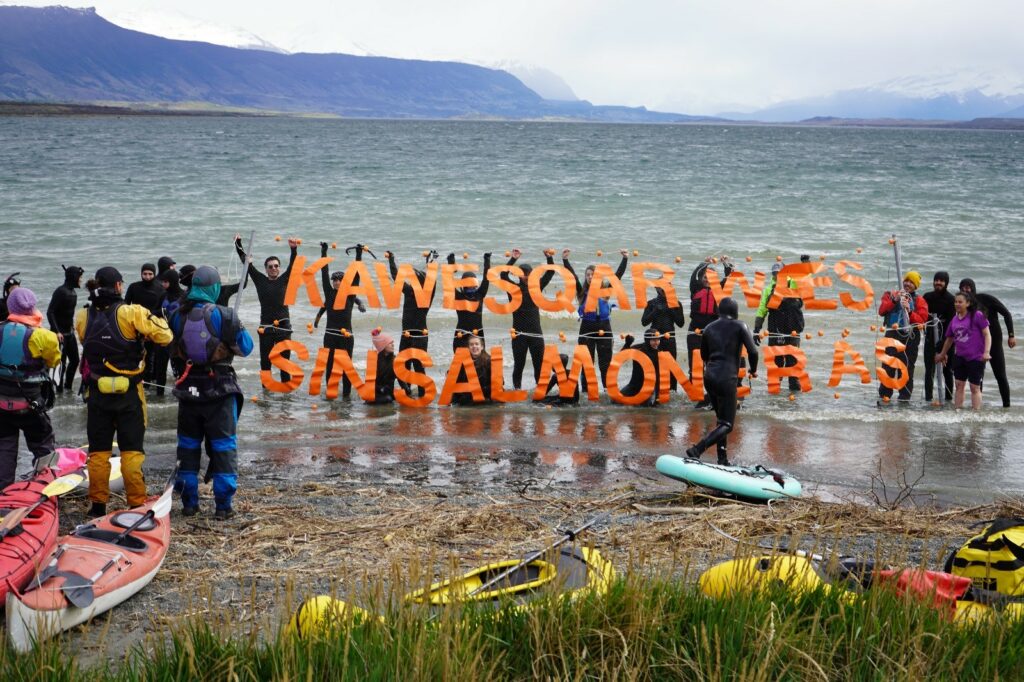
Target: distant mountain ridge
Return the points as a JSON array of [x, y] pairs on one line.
[[57, 54], [942, 97]]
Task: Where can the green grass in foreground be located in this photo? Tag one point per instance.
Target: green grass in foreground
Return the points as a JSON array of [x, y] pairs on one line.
[[649, 630]]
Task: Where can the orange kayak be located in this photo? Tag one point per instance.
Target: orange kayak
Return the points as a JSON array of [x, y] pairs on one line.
[[90, 571], [22, 551]]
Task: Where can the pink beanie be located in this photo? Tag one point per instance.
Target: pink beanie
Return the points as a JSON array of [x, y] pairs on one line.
[[380, 339]]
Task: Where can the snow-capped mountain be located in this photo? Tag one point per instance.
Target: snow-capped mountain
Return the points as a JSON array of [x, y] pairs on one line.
[[948, 96], [545, 83], [177, 26]]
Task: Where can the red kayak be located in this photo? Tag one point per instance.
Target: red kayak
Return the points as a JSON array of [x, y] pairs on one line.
[[22, 551]]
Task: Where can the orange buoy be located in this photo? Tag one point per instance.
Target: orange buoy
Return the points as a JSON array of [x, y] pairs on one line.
[[600, 332], [891, 242], [465, 255], [254, 399], [885, 399], [260, 330], [334, 245], [298, 241], [679, 259], [458, 334], [277, 238], [821, 257], [309, 327], [895, 325], [749, 259], [426, 253], [599, 253], [821, 332], [794, 333], [697, 331], [860, 250], [874, 327], [561, 336], [836, 396], [636, 252], [313, 406], [807, 336], [406, 333], [507, 254], [425, 332], [277, 322], [792, 397]]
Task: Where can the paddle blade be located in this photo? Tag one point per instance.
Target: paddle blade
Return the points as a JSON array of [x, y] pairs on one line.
[[64, 484], [78, 590]]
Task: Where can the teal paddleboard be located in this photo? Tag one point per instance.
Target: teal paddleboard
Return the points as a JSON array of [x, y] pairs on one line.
[[756, 483]]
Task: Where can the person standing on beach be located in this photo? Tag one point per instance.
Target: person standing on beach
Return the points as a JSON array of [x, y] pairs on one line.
[[470, 323], [149, 293], [993, 308], [207, 337], [721, 343], [940, 307], [414, 318], [170, 282], [904, 313], [112, 334], [275, 323], [10, 284], [338, 331], [27, 353], [969, 331], [703, 311], [661, 318], [595, 326], [528, 337], [785, 323], [61, 316]]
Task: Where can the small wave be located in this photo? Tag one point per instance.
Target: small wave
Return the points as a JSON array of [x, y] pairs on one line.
[[896, 415]]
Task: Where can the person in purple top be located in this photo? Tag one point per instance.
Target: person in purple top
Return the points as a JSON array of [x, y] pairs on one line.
[[969, 331]]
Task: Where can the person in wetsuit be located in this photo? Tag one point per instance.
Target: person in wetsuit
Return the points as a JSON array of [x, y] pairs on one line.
[[651, 346], [470, 323], [384, 386], [482, 364], [170, 281], [414, 318], [149, 293], [721, 343], [661, 318], [993, 308], [703, 311], [10, 284], [275, 320], [529, 338], [338, 331], [941, 309], [595, 326], [785, 323], [61, 316]]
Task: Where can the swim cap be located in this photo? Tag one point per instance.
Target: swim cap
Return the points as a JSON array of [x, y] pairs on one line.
[[21, 301], [914, 277], [205, 275], [727, 308]]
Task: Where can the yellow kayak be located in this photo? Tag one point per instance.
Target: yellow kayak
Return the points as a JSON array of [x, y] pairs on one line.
[[569, 573], [846, 576]]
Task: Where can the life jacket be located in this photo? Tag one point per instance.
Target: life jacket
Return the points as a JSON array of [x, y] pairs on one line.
[[199, 342], [105, 348], [993, 559], [16, 361], [603, 312]]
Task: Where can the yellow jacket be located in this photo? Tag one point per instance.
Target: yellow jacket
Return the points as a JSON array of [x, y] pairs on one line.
[[134, 321], [42, 344]]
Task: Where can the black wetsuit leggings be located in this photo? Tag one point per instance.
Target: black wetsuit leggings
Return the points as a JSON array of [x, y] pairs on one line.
[[929, 368], [998, 364], [601, 346], [520, 346], [336, 342], [909, 358], [68, 362], [269, 337], [721, 390], [416, 340]]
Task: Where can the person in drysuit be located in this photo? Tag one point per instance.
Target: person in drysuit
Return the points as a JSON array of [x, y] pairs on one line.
[[207, 337], [722, 341]]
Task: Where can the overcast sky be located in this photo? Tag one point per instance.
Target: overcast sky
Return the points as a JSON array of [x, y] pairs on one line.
[[692, 56]]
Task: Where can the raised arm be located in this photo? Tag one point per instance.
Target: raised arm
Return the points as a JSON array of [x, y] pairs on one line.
[[621, 270]]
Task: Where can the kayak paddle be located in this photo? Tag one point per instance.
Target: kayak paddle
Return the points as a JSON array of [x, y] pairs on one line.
[[55, 488]]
